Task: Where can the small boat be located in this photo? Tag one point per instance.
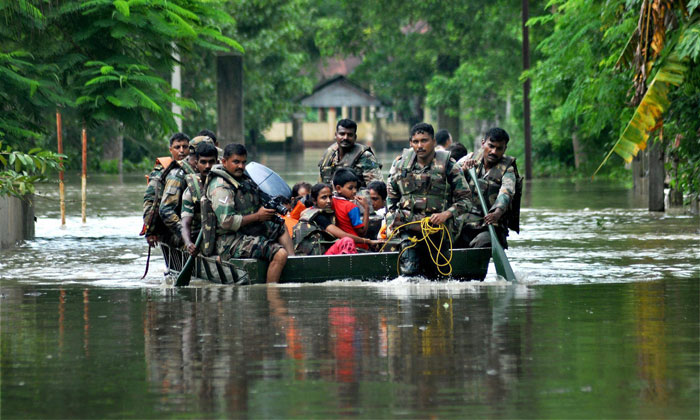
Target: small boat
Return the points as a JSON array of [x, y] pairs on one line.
[[467, 264]]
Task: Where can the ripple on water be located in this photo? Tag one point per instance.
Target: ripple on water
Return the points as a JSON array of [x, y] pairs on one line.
[[555, 246]]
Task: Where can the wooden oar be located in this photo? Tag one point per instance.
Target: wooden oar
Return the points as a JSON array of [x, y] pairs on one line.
[[497, 252], [186, 274]]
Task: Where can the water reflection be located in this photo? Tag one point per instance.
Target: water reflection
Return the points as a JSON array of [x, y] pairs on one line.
[[605, 324], [651, 337], [220, 348], [395, 349]]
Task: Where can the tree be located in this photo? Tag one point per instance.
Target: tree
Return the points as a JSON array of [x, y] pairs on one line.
[[577, 95], [277, 37], [459, 58], [106, 60], [653, 101]]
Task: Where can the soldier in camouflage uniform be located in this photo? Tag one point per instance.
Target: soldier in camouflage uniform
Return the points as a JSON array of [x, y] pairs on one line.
[[153, 227], [210, 134], [348, 154], [171, 203], [244, 228], [206, 157], [499, 183], [424, 182]]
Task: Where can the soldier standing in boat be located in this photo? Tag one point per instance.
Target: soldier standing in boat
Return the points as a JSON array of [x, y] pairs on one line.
[[171, 203], [244, 227], [153, 227], [346, 153], [501, 186], [424, 182], [206, 156]]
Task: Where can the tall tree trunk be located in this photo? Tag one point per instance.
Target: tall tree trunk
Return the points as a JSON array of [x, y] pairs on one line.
[[446, 65], [640, 172], [417, 114], [675, 196], [579, 155], [229, 86], [656, 176], [113, 149], [449, 123], [509, 105], [120, 147], [526, 93], [297, 145]]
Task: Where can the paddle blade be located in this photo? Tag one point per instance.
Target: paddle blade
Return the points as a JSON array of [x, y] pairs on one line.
[[186, 274], [500, 260]]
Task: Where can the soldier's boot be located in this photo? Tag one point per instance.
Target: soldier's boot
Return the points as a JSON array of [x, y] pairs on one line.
[[409, 264]]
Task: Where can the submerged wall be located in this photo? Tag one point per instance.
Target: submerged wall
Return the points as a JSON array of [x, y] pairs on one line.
[[16, 220]]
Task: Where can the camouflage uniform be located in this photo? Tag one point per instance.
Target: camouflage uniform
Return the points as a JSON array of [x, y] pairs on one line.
[[150, 196], [152, 224], [415, 192], [308, 237], [191, 200], [171, 202], [231, 199], [499, 187], [360, 159]]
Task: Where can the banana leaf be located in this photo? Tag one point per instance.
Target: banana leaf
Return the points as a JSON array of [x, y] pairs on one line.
[[649, 112]]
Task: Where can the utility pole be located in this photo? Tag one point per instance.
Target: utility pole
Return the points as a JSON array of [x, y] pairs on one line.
[[526, 93]]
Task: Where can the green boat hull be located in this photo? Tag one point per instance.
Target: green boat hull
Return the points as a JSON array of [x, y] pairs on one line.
[[467, 264]]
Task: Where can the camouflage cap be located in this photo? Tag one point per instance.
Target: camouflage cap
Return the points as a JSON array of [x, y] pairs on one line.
[[199, 139]]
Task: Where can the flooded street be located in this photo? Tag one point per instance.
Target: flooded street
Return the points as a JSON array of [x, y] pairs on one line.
[[604, 322]]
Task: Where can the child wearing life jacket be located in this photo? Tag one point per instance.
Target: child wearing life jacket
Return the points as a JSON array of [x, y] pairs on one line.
[[316, 230]]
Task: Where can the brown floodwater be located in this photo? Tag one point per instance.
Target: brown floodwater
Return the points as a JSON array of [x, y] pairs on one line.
[[603, 323]]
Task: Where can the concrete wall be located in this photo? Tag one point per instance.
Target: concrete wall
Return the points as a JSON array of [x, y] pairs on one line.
[[16, 220]]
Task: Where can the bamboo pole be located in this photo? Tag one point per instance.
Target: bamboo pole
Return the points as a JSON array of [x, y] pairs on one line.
[[83, 176], [61, 187]]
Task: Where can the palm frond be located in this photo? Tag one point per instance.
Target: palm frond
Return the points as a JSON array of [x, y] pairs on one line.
[[649, 112]]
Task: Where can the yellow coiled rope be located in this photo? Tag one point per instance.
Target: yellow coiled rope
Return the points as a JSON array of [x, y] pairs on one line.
[[435, 250]]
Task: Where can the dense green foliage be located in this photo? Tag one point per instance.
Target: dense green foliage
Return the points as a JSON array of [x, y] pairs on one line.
[[278, 49], [108, 63], [576, 90], [582, 90], [463, 57], [101, 63], [19, 171]]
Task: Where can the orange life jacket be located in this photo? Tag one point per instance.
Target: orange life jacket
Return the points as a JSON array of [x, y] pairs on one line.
[[164, 161]]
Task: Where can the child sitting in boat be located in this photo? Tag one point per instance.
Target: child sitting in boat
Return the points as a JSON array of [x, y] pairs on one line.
[[316, 231], [377, 195], [348, 215]]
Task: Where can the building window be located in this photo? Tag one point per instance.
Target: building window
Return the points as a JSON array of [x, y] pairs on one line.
[[356, 114]]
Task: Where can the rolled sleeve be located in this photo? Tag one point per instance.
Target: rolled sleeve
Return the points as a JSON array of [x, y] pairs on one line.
[[187, 204], [224, 208], [506, 192], [460, 190], [370, 167]]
